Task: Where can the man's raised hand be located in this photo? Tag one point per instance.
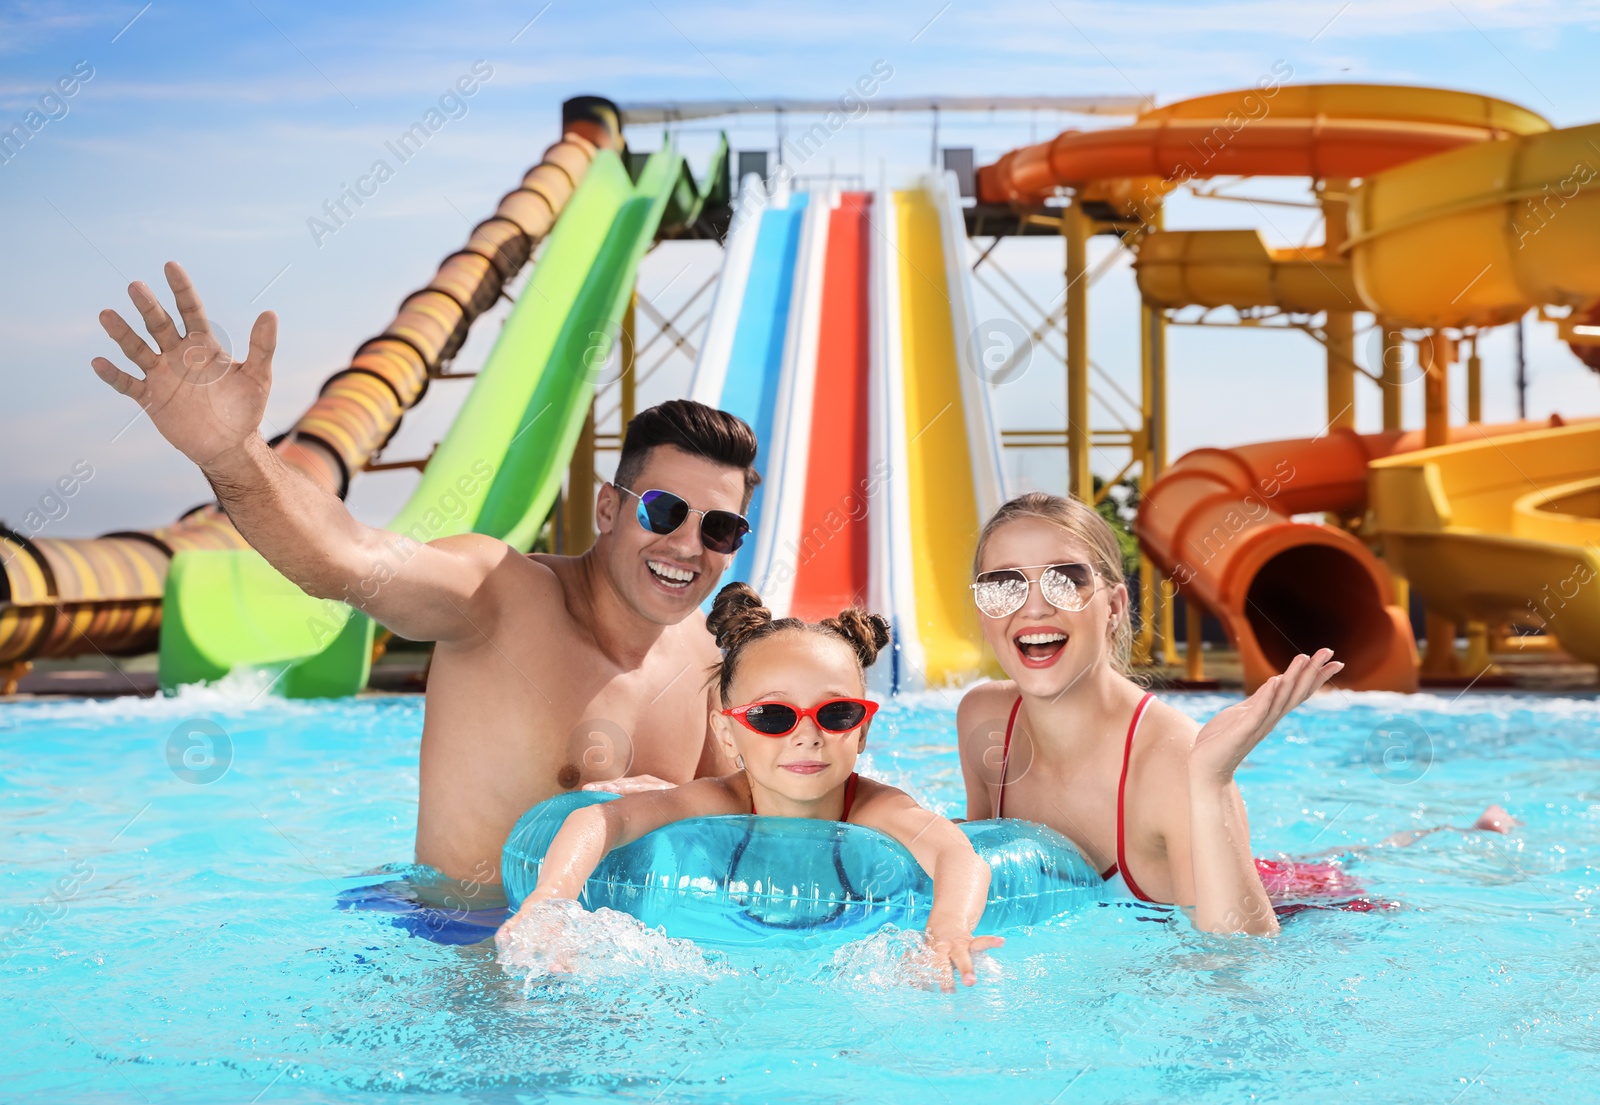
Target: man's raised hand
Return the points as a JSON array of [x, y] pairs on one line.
[[202, 400]]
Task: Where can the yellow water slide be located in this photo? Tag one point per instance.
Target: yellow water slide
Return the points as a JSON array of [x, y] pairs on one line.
[[1501, 530], [942, 452], [1504, 529]]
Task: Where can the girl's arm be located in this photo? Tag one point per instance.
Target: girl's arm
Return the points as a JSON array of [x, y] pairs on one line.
[[1228, 895], [590, 833], [960, 878]]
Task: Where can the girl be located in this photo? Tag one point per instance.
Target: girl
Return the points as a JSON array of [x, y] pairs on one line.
[[1071, 742], [793, 719]]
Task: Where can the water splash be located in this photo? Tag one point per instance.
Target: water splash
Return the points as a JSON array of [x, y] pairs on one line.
[[559, 938], [893, 959]]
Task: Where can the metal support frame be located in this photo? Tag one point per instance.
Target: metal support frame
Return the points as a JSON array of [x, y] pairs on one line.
[[1075, 228], [1145, 438]]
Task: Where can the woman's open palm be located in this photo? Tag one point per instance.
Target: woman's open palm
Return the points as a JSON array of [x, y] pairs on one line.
[[1229, 737], [202, 400]]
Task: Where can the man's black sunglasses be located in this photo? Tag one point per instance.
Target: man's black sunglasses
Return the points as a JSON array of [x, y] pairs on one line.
[[662, 512]]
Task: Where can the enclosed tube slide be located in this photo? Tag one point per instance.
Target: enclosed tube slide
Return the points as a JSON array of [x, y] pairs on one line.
[[1334, 130]]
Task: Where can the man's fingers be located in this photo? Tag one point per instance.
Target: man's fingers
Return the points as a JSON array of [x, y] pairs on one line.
[[190, 309], [131, 344], [118, 379], [156, 319], [263, 343]]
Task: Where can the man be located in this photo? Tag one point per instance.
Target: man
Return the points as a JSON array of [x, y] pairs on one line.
[[550, 672]]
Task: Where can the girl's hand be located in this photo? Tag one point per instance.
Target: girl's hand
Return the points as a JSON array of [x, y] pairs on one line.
[[953, 948], [541, 934], [1228, 738]]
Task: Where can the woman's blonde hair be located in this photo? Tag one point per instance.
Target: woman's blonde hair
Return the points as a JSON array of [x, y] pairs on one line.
[[1077, 519]]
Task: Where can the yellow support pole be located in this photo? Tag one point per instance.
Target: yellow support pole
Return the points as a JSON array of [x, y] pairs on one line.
[[1435, 353], [1075, 228], [1339, 326], [1393, 382], [1194, 661], [1169, 623], [578, 532], [630, 382], [1144, 644], [1477, 661], [1157, 430], [1474, 381]]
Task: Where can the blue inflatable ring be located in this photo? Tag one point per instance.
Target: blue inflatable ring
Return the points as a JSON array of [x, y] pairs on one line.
[[749, 880]]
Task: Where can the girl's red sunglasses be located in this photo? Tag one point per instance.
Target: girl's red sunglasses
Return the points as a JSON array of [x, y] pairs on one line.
[[779, 719]]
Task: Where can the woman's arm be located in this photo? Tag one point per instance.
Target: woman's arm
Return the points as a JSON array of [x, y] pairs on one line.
[[1228, 895], [960, 878]]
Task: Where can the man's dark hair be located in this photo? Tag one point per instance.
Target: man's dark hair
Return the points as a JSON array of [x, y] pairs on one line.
[[695, 428]]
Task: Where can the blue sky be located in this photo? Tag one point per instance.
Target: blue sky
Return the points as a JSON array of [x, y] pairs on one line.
[[211, 133]]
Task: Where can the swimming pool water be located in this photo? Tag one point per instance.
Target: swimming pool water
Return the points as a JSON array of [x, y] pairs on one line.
[[168, 933]]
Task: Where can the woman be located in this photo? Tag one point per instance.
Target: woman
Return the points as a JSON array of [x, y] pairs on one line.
[[1071, 742]]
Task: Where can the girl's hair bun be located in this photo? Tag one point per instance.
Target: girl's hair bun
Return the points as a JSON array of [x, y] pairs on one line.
[[867, 633], [736, 615]]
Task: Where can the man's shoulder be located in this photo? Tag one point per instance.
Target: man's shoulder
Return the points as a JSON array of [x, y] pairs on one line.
[[509, 577]]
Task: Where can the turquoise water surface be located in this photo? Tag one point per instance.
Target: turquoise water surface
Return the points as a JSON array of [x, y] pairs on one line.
[[169, 871]]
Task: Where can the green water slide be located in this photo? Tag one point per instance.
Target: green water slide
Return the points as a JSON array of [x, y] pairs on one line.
[[497, 471]]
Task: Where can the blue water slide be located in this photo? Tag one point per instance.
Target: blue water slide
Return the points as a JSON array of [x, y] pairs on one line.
[[750, 388]]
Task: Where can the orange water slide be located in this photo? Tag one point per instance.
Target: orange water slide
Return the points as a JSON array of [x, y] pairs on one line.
[[1321, 131], [833, 574], [63, 597], [1220, 524]]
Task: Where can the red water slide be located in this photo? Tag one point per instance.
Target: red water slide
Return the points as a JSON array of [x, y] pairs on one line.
[[831, 573]]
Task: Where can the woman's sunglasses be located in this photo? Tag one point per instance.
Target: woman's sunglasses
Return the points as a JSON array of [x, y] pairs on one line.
[[662, 512], [1002, 593], [779, 719]]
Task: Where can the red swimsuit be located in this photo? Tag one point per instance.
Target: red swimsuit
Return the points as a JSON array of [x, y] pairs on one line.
[[1122, 786], [1313, 885]]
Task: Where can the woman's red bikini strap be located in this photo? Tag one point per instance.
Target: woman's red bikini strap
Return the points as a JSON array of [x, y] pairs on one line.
[[1122, 790]]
